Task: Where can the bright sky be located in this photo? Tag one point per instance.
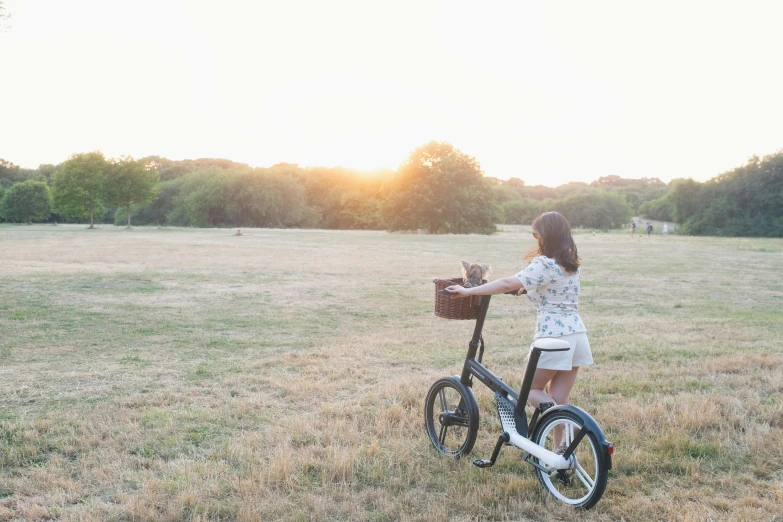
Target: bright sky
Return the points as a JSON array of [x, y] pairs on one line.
[[548, 92]]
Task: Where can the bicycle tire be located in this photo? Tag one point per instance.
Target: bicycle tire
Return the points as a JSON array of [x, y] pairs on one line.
[[451, 417], [583, 485]]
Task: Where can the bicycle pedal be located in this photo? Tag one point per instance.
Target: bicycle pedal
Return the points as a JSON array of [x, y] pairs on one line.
[[482, 463]]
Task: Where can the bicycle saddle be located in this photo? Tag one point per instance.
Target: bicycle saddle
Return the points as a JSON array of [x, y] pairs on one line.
[[547, 344]]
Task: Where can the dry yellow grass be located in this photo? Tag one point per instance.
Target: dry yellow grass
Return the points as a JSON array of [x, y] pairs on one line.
[[182, 374]]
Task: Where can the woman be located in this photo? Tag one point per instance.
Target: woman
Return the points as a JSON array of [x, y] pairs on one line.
[[552, 284]]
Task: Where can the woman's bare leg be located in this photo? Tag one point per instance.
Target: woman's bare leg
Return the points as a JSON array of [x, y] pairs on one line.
[[561, 384], [540, 380], [560, 388]]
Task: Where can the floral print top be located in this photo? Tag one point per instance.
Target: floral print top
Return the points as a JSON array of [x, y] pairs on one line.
[[555, 294]]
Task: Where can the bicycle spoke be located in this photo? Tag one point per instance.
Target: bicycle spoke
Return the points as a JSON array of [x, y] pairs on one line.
[[586, 474], [442, 395], [442, 436], [462, 422], [583, 476]]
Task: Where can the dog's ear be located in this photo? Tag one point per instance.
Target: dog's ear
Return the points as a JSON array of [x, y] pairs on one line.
[[486, 269], [466, 266]]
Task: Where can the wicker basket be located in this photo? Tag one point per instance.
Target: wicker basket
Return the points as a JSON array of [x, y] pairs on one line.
[[448, 308]]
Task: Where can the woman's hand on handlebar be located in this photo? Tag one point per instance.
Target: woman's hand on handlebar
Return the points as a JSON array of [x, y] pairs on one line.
[[456, 291], [508, 285]]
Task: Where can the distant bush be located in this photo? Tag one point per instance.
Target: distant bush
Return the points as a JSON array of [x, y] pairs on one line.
[[26, 202]]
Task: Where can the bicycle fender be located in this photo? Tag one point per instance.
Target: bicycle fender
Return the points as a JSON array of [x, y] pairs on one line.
[[589, 423], [472, 404]]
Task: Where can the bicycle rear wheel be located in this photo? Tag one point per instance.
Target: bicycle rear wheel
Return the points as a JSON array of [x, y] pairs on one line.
[[451, 416], [584, 482]]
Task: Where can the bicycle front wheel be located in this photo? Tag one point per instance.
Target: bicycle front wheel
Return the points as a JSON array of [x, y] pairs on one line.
[[451, 417], [584, 482]]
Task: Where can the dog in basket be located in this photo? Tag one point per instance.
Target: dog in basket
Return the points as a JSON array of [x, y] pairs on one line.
[[473, 274]]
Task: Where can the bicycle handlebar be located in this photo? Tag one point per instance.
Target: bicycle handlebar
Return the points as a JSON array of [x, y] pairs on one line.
[[512, 292]]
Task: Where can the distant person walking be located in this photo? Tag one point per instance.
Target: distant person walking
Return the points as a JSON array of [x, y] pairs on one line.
[[649, 229], [665, 230], [633, 228]]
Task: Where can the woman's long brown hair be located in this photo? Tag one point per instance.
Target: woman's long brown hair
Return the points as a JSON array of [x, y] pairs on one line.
[[558, 244]]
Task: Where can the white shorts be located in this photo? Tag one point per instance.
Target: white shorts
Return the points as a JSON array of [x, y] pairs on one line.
[[578, 355]]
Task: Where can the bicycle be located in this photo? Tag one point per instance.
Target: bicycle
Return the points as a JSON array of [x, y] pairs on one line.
[[564, 444]]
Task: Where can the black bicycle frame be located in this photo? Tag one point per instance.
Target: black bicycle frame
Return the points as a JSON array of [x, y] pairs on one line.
[[473, 368]]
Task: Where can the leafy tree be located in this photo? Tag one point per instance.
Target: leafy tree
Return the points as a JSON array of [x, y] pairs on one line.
[[26, 201], [79, 186], [661, 209], [610, 181], [284, 202], [651, 192], [8, 173], [359, 211], [130, 181], [45, 172], [210, 203], [514, 183], [745, 201], [572, 186], [522, 211], [326, 191], [503, 193], [170, 169], [157, 211], [267, 199], [635, 191], [539, 192], [685, 198], [593, 208], [239, 196], [441, 190]]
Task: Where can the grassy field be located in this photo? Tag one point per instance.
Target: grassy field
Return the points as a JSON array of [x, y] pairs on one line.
[[185, 374]]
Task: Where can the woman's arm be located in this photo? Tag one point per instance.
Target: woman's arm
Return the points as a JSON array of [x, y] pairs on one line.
[[498, 286]]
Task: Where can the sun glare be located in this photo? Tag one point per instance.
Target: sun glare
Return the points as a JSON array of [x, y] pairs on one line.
[[548, 93]]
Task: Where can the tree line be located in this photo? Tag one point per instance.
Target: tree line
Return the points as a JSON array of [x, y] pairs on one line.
[[81, 188], [437, 189], [745, 201]]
